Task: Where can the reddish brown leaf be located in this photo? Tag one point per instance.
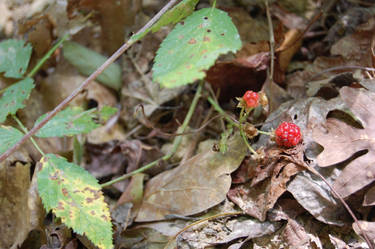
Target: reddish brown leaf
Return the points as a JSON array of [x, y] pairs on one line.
[[341, 141]]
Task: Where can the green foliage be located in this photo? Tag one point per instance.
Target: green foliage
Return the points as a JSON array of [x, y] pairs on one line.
[[176, 14], [75, 196], [87, 61], [9, 136], [193, 46], [73, 121], [13, 97], [15, 57]]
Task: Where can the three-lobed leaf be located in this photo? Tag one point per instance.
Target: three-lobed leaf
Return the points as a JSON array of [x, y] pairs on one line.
[[73, 121], [193, 46], [13, 97], [75, 196], [15, 57], [9, 136]]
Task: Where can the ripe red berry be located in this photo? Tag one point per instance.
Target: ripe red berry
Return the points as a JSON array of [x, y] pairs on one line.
[[251, 98], [288, 134]]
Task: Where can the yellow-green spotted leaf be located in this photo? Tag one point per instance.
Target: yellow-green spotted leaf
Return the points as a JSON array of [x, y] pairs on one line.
[[73, 121], [12, 98], [193, 46], [75, 196], [14, 57], [9, 136]]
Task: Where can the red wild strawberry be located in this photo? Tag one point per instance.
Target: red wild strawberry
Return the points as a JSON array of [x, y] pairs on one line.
[[251, 98], [288, 134]]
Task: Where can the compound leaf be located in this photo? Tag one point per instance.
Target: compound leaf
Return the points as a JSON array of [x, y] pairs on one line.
[[75, 196], [69, 122], [177, 13], [15, 57], [13, 97], [193, 46], [87, 61], [9, 136]]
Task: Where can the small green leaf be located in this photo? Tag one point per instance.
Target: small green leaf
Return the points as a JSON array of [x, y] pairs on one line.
[[193, 46], [14, 57], [74, 120], [13, 97], [106, 112], [87, 61], [9, 136], [177, 13], [75, 196], [69, 122]]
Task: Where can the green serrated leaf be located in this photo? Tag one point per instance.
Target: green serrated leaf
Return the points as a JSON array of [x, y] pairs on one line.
[[13, 97], [87, 61], [193, 46], [75, 196], [106, 112], [9, 136], [177, 13], [14, 57], [69, 122]]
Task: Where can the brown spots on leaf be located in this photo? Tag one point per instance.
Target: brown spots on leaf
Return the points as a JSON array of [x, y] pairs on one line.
[[180, 37], [206, 39], [60, 206], [204, 51], [92, 212], [205, 18], [192, 41], [23, 92], [191, 56], [55, 176], [200, 26], [189, 66], [222, 34], [182, 23], [208, 30], [104, 217], [64, 192], [89, 200]]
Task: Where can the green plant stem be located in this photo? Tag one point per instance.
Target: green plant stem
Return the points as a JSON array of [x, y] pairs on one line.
[[214, 4], [216, 106], [88, 80], [24, 129], [176, 141], [46, 57], [265, 132]]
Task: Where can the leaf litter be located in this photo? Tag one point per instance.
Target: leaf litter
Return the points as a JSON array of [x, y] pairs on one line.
[[282, 204]]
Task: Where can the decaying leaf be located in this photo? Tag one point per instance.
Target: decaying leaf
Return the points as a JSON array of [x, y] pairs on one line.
[[341, 141], [194, 186], [217, 232], [269, 183], [75, 196]]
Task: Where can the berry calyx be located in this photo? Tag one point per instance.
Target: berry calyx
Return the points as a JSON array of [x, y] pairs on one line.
[[251, 99], [288, 134]]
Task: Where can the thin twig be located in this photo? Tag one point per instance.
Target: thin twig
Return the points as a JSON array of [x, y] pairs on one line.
[[85, 83], [337, 195], [272, 41]]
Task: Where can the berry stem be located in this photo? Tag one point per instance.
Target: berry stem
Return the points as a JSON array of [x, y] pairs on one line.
[[216, 106], [265, 132]]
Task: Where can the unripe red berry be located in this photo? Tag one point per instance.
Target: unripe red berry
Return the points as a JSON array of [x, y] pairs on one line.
[[251, 99], [288, 134]]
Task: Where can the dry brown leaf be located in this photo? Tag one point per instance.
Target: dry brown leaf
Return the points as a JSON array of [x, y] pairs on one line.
[[196, 185], [259, 196], [369, 199], [341, 141], [368, 228]]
